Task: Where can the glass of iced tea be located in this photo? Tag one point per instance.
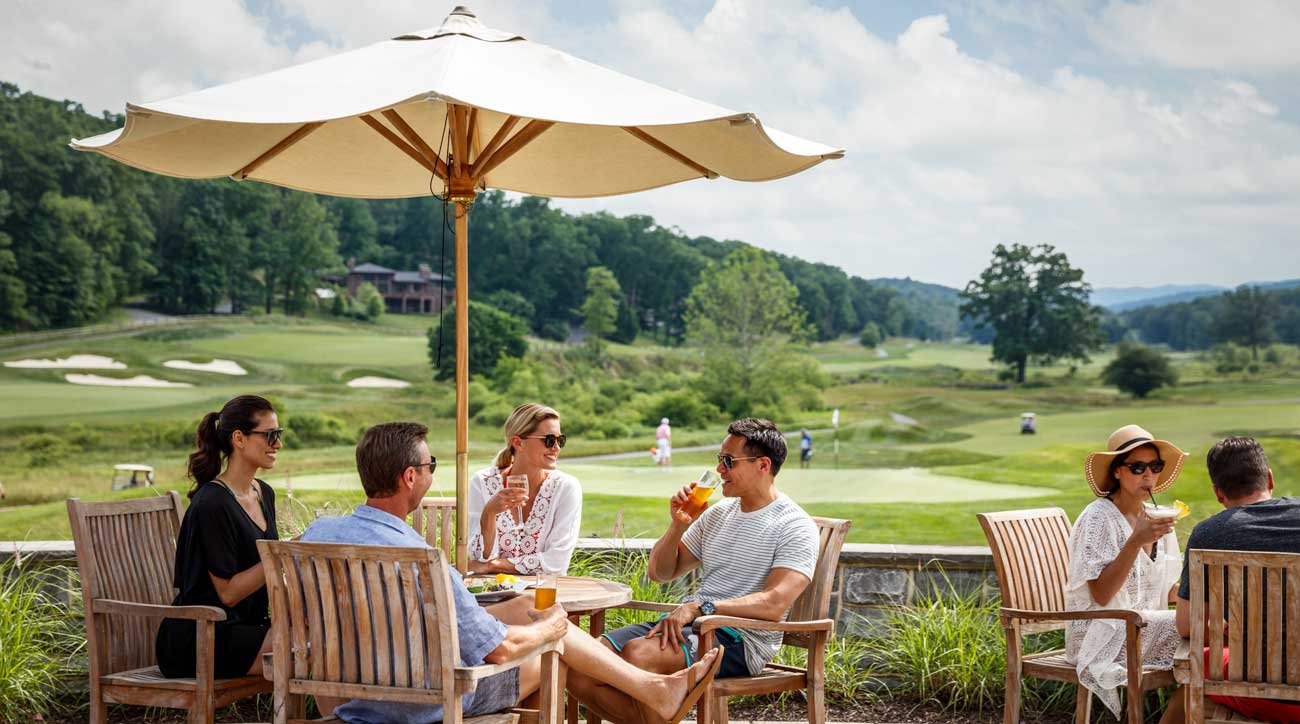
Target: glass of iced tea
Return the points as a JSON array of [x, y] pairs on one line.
[[708, 481], [521, 482], [544, 591]]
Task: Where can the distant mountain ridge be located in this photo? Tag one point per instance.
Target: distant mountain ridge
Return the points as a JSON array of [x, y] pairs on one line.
[[1121, 299]]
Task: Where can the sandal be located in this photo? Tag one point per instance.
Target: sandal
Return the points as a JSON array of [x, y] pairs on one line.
[[696, 689]]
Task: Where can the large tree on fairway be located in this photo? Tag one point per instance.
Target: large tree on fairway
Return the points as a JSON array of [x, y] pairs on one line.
[[744, 315], [1247, 319], [1037, 305], [600, 308], [493, 334], [1139, 370]]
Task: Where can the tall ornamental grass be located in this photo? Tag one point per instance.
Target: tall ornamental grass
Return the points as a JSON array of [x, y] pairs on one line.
[[39, 645]]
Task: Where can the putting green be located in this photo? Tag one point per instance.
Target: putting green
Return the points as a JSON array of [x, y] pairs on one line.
[[859, 485], [319, 347], [1193, 428]]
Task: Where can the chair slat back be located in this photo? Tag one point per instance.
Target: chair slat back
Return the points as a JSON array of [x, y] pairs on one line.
[[1260, 595], [435, 519], [815, 601], [126, 551], [1032, 556], [362, 615]]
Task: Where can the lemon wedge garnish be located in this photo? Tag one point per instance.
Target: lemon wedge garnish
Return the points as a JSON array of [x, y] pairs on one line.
[[1183, 510], [504, 578]]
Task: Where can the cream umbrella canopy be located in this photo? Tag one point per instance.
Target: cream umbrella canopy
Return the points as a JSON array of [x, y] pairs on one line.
[[461, 107]]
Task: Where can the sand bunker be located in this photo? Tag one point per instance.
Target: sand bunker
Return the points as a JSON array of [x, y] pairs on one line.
[[137, 381], [378, 382], [220, 366], [75, 362]]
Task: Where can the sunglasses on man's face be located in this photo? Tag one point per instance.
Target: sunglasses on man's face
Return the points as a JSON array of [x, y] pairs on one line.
[[272, 436], [432, 465], [729, 461], [549, 440], [1141, 466]]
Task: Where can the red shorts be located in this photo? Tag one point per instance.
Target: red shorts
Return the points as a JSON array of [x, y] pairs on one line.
[[1272, 710]]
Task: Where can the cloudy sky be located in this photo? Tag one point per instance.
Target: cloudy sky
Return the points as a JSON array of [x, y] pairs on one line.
[[1155, 141]]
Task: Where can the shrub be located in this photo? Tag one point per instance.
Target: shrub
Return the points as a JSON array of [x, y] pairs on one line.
[[165, 435], [313, 428], [83, 438], [685, 407], [871, 335], [1139, 370], [554, 329], [38, 642], [45, 448], [493, 334]]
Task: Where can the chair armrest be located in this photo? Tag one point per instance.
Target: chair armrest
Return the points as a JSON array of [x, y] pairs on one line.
[[1121, 614], [647, 606], [474, 673], [149, 610], [1182, 663], [709, 623]]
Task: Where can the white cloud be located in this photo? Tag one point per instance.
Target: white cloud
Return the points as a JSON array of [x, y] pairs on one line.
[[1237, 37], [948, 153]]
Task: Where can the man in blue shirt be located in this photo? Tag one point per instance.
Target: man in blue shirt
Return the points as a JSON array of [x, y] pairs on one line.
[[396, 471]]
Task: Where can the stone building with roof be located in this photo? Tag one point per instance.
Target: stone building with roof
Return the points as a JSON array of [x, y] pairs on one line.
[[405, 292]]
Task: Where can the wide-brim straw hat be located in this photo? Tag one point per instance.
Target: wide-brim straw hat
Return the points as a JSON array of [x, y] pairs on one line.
[[1097, 465]]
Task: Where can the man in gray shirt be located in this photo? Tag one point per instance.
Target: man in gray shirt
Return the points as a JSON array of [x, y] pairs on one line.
[[756, 551], [1252, 520], [396, 471]]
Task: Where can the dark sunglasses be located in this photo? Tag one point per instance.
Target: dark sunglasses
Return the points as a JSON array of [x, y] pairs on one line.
[[729, 461], [1141, 466], [272, 436], [549, 440], [432, 465]]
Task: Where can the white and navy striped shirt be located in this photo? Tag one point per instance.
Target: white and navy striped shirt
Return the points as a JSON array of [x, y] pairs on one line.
[[737, 552]]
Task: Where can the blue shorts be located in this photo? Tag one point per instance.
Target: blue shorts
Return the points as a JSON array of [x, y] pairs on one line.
[[733, 648]]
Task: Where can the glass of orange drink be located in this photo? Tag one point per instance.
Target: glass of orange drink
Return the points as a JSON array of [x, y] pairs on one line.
[[545, 590], [704, 487]]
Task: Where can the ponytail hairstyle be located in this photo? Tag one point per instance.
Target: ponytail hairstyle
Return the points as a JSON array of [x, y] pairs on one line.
[[522, 422], [212, 441]]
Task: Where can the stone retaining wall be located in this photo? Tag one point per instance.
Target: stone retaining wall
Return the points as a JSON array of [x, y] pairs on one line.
[[871, 577]]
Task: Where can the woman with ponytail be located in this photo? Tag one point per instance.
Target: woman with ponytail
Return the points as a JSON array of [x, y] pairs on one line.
[[217, 563], [543, 538]]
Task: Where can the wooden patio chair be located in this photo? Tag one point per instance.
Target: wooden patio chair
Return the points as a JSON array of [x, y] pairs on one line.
[[1261, 594], [126, 554], [1031, 553], [435, 519], [808, 626], [378, 623]]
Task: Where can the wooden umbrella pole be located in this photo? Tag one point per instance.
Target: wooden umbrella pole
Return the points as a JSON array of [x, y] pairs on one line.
[[462, 193]]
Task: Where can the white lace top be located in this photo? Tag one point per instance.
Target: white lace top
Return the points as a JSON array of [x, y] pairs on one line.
[[1097, 647], [546, 539]]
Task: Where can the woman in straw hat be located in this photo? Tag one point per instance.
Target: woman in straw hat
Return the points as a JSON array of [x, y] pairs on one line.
[[1120, 557]]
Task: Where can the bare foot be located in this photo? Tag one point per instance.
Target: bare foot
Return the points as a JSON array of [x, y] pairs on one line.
[[678, 685]]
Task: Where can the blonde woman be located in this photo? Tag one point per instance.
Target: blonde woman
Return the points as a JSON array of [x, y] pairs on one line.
[[501, 541], [1122, 558]]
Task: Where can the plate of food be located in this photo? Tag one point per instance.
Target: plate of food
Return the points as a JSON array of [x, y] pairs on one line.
[[491, 589]]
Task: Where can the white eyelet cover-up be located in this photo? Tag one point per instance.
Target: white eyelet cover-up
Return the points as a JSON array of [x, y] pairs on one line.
[[546, 540], [1097, 647]]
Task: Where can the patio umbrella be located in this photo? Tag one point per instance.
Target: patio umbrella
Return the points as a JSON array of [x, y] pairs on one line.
[[460, 108]]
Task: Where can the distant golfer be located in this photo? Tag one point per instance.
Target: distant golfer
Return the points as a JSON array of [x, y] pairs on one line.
[[805, 448], [664, 443]]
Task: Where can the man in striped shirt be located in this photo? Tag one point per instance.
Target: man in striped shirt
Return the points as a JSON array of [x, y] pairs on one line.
[[755, 550]]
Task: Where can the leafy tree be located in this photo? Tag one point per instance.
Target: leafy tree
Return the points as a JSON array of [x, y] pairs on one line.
[[13, 293], [1139, 370], [600, 308], [493, 334], [512, 303], [1037, 305], [745, 317], [1247, 319], [870, 336], [369, 301], [627, 327]]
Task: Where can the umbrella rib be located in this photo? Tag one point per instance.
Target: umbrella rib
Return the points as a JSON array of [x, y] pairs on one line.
[[471, 134], [300, 133], [401, 145], [497, 138], [459, 139], [525, 136], [414, 139], [669, 151]]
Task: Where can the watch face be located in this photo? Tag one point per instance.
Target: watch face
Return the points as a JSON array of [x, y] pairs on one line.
[[707, 608]]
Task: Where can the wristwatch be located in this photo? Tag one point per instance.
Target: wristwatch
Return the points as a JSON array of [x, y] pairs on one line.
[[707, 608]]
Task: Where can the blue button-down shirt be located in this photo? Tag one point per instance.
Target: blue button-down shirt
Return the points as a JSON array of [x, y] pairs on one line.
[[479, 631]]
